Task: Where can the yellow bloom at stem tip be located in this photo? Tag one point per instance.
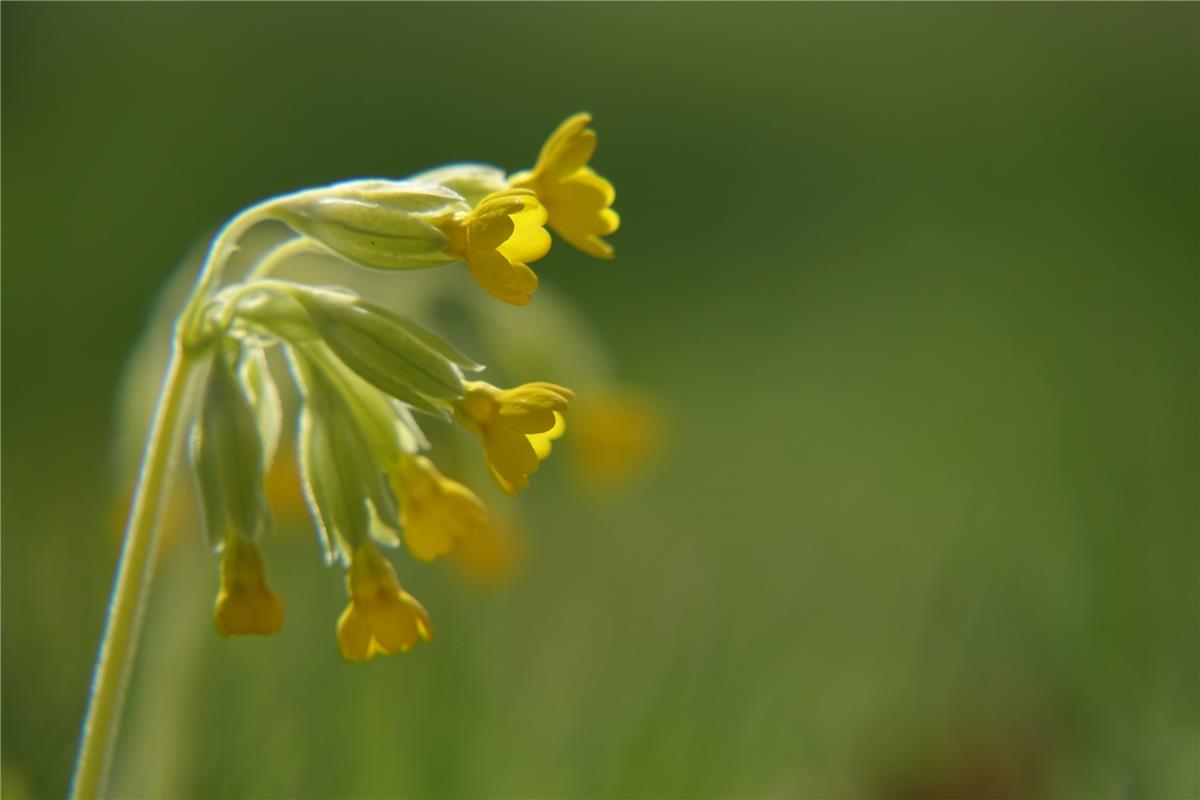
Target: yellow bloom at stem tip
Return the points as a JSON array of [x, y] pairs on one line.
[[498, 239], [579, 201], [515, 426], [246, 604], [381, 617], [435, 511]]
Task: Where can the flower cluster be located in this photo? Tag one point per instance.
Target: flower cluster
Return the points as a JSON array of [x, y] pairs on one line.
[[361, 371]]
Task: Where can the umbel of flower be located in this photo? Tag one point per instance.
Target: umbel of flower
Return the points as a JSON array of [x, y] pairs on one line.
[[360, 370]]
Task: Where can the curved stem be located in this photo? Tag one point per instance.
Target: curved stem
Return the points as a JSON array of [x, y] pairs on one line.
[[222, 247], [123, 624], [122, 627]]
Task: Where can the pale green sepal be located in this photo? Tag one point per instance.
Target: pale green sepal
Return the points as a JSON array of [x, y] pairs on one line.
[[259, 386], [473, 181], [228, 453], [349, 437], [276, 311], [330, 479], [386, 533], [428, 338], [383, 352], [412, 439], [208, 484], [386, 422], [377, 223]]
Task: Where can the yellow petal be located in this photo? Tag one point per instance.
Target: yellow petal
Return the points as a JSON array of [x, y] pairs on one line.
[[529, 419], [529, 240], [509, 453], [525, 280], [542, 442], [490, 270], [568, 148], [488, 233], [509, 487], [354, 635], [394, 626]]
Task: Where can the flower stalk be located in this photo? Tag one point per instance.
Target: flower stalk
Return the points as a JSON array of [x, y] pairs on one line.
[[122, 627], [135, 566]]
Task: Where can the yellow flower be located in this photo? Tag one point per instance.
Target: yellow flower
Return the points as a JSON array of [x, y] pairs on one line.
[[434, 510], [578, 200], [498, 239], [509, 422], [245, 604], [381, 617]]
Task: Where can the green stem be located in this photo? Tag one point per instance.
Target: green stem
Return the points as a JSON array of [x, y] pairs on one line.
[[123, 626]]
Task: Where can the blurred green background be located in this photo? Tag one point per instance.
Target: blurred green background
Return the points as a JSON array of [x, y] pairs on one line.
[[917, 285]]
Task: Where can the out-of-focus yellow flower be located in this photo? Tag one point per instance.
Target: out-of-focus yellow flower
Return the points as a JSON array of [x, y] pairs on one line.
[[498, 239], [507, 420], [246, 604], [435, 511], [381, 617], [578, 200], [614, 433], [490, 555]]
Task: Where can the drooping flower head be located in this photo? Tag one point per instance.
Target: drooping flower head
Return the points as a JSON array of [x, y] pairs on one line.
[[381, 617], [513, 424], [246, 605], [360, 370], [578, 200], [499, 239], [435, 511]]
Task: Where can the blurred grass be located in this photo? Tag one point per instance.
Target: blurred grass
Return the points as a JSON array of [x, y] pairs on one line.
[[918, 284]]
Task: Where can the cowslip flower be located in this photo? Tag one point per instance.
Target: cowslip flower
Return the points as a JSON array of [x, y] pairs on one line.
[[245, 604], [509, 421], [498, 239], [578, 201], [381, 617], [435, 511]]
